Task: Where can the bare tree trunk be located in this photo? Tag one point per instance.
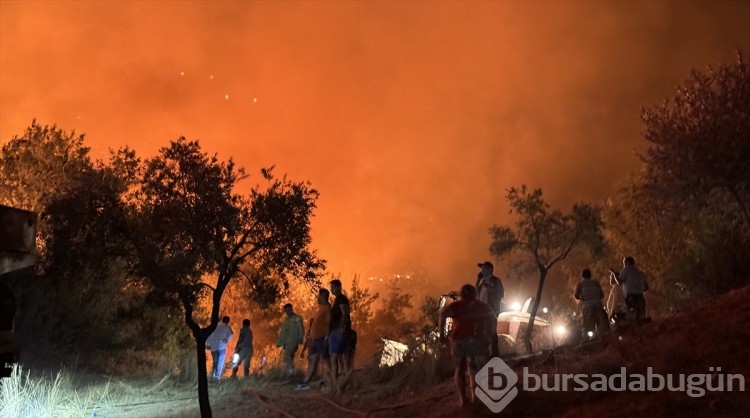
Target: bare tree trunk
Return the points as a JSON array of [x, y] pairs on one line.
[[205, 405], [534, 309], [200, 336]]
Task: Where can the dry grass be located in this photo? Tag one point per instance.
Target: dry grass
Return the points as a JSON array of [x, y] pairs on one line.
[[71, 393], [50, 396]]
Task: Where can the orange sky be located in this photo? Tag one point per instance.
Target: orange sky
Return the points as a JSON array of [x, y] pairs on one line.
[[411, 119]]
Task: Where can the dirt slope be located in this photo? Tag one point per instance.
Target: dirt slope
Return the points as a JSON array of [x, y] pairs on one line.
[[714, 333]]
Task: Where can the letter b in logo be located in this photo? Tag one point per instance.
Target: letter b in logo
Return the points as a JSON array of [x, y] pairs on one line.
[[496, 384]]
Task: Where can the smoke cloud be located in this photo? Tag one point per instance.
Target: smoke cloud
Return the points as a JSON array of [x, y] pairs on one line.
[[411, 119]]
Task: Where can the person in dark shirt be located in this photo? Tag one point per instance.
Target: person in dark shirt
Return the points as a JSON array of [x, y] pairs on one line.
[[473, 325], [338, 337], [243, 350], [490, 288]]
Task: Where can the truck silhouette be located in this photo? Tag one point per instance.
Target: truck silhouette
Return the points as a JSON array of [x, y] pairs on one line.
[[17, 251]]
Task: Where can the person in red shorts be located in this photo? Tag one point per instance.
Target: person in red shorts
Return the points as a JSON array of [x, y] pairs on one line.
[[473, 324]]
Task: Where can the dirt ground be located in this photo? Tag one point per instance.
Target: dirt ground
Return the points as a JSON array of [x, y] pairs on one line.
[[714, 333]]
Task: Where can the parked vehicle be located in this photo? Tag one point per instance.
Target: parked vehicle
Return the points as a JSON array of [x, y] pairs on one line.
[[17, 242]]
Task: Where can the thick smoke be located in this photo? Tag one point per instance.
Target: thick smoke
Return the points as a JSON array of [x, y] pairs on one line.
[[412, 119]]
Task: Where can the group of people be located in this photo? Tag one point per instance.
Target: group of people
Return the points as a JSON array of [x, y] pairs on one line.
[[243, 351], [329, 339], [473, 331], [625, 299]]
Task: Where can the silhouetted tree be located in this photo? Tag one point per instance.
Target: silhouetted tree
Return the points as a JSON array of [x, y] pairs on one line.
[[361, 301], [698, 140], [194, 235], [39, 166], [429, 319], [545, 236], [394, 319], [685, 217], [79, 295]]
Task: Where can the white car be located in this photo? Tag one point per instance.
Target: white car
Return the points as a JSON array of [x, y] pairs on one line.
[[511, 328]]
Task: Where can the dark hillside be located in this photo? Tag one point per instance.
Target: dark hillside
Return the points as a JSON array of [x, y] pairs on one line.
[[713, 333]]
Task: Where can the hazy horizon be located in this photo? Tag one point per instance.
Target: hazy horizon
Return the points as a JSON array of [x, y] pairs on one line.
[[411, 119]]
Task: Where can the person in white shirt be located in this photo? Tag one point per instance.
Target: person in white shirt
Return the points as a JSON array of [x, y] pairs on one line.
[[217, 344], [635, 283], [616, 301]]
